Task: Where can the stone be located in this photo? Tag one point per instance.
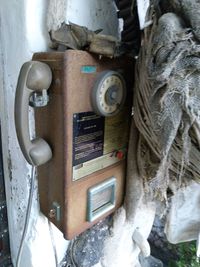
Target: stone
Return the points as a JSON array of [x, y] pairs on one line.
[[150, 262]]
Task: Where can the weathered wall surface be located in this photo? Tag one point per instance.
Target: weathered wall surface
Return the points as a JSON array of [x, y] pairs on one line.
[[5, 259], [22, 32], [94, 15]]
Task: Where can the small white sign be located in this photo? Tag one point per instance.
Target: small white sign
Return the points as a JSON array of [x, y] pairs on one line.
[[142, 6]]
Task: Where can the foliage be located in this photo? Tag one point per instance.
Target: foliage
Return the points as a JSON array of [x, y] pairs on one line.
[[187, 256]]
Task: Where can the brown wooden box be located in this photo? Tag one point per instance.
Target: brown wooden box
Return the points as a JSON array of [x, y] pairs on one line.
[[70, 93]]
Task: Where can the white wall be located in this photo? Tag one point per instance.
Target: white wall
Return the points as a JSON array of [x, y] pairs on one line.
[[23, 32], [94, 14]]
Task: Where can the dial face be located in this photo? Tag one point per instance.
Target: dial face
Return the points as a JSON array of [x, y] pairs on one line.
[[109, 94]]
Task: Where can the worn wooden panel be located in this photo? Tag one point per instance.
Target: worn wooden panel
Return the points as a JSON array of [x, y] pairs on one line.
[[69, 94]]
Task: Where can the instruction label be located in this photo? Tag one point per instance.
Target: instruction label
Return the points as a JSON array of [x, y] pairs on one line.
[[88, 137], [96, 141]]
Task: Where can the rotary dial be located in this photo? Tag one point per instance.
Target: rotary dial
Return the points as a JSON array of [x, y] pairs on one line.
[[109, 93]]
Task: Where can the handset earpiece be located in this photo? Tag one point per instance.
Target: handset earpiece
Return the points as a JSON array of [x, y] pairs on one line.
[[34, 76]]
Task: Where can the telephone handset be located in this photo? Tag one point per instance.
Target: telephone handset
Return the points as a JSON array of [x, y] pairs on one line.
[[34, 77]]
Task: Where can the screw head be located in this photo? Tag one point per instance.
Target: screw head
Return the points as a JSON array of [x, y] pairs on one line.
[[52, 213]]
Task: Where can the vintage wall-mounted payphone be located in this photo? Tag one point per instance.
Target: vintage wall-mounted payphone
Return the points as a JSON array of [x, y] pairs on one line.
[[84, 131]]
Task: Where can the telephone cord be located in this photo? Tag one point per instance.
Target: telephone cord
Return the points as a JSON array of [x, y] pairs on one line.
[[27, 218]]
